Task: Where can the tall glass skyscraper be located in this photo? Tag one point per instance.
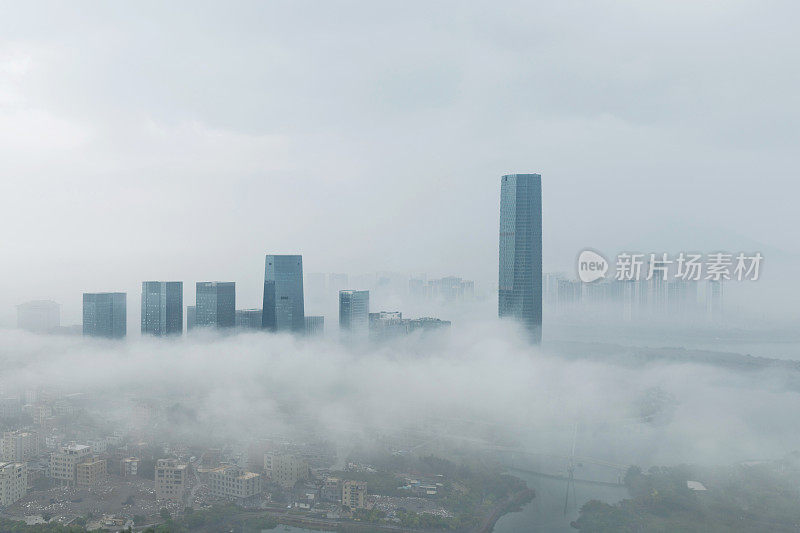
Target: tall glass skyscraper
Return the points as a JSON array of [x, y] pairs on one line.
[[162, 308], [105, 314], [216, 304], [520, 281], [283, 294], [354, 314]]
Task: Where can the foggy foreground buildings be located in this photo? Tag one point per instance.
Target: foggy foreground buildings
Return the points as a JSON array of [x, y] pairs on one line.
[[520, 272]]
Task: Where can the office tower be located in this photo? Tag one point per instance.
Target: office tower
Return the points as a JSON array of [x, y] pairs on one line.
[[354, 314], [216, 304], [520, 279], [315, 326], [162, 307], [105, 314], [248, 318], [283, 294], [191, 314], [39, 316]]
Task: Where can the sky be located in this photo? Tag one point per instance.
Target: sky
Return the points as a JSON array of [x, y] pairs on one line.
[[185, 140]]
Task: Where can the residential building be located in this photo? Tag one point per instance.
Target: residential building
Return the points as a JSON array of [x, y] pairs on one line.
[[39, 316], [13, 482], [170, 478], [129, 467], [332, 490], [162, 308], [215, 304], [90, 473], [354, 493], [64, 462], [520, 271], [234, 483], [285, 470], [105, 314], [19, 446], [283, 308]]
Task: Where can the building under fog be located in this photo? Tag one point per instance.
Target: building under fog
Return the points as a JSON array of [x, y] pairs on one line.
[[39, 316], [315, 326], [283, 308], [105, 314], [162, 308], [215, 304], [354, 315], [248, 318], [520, 272]]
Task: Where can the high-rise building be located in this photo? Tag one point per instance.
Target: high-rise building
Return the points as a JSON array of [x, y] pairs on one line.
[[39, 316], [216, 304], [248, 318], [162, 307], [315, 326], [105, 314], [283, 294], [354, 314], [191, 314], [64, 462], [520, 279]]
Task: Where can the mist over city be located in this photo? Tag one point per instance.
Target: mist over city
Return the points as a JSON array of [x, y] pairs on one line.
[[419, 267]]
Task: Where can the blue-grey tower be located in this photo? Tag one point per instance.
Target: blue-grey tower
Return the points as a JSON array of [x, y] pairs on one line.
[[520, 280], [283, 294], [216, 304], [162, 308], [105, 314]]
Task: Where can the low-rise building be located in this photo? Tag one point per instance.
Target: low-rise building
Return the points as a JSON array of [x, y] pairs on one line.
[[19, 446], [354, 493], [285, 470], [13, 482], [234, 483], [170, 477]]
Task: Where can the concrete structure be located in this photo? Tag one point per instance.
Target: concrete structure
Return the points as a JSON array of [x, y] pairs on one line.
[[332, 490], [39, 316], [285, 470], [520, 272], [354, 315], [129, 467], [248, 318], [283, 308], [354, 493], [315, 326], [105, 314], [90, 473], [13, 482], [162, 308], [19, 446], [234, 483], [215, 304], [170, 478], [64, 462]]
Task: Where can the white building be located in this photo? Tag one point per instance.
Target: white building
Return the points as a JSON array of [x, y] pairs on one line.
[[19, 446], [13, 482], [233, 482]]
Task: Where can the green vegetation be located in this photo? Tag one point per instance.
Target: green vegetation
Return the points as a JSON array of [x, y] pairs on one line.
[[13, 526], [740, 498]]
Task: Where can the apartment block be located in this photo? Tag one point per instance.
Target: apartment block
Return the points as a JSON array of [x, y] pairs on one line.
[[13, 482], [232, 482], [19, 446], [354, 493], [170, 479]]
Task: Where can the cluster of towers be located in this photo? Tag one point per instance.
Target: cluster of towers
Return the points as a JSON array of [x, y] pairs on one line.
[[519, 287]]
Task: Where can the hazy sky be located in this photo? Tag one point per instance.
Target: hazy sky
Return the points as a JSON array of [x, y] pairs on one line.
[[185, 140]]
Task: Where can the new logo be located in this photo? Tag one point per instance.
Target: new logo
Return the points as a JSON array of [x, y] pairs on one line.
[[591, 266]]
